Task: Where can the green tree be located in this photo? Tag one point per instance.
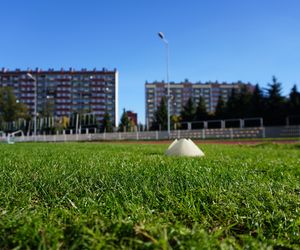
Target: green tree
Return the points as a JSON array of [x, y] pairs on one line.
[[231, 105], [220, 108], [161, 116], [201, 112], [124, 122], [257, 103], [106, 123], [10, 108], [243, 102], [275, 104], [294, 102], [188, 112], [274, 96]]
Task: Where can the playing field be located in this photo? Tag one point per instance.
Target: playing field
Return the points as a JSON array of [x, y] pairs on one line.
[[131, 196]]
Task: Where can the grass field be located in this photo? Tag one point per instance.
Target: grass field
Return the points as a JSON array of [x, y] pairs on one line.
[[115, 196]]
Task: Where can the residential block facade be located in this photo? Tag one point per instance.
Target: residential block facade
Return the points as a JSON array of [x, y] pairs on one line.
[[66, 91], [181, 92]]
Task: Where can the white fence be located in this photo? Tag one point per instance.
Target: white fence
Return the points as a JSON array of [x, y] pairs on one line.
[[202, 134]]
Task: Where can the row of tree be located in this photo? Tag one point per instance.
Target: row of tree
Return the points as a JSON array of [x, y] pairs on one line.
[[267, 103], [15, 115]]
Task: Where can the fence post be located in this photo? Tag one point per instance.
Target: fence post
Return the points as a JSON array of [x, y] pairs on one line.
[[242, 123], [120, 136], [156, 135], [222, 124], [263, 132], [261, 122], [231, 133], [137, 135], [203, 134]]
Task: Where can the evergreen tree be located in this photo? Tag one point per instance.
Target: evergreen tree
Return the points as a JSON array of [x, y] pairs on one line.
[[243, 102], [274, 93], [106, 123], [231, 105], [294, 102], [275, 104], [220, 109], [125, 122], [188, 112], [161, 116], [257, 103], [201, 113]]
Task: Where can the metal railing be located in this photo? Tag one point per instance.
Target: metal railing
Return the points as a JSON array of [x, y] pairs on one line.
[[200, 134]]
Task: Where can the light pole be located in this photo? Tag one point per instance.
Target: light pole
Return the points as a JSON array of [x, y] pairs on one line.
[[35, 101], [162, 37]]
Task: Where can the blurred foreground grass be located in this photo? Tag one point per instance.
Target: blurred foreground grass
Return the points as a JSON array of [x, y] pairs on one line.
[[114, 196]]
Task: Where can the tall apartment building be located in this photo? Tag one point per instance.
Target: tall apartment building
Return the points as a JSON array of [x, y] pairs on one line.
[[66, 91], [181, 92]]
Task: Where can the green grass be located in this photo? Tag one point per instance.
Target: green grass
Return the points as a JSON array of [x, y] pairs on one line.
[[114, 196]]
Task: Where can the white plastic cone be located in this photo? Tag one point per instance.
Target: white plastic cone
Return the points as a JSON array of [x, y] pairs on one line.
[[172, 144], [184, 147]]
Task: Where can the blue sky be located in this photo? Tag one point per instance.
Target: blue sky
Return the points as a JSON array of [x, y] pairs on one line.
[[224, 40]]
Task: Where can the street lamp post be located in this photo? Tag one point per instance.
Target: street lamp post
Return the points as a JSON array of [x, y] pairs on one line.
[[35, 102], [162, 37]]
